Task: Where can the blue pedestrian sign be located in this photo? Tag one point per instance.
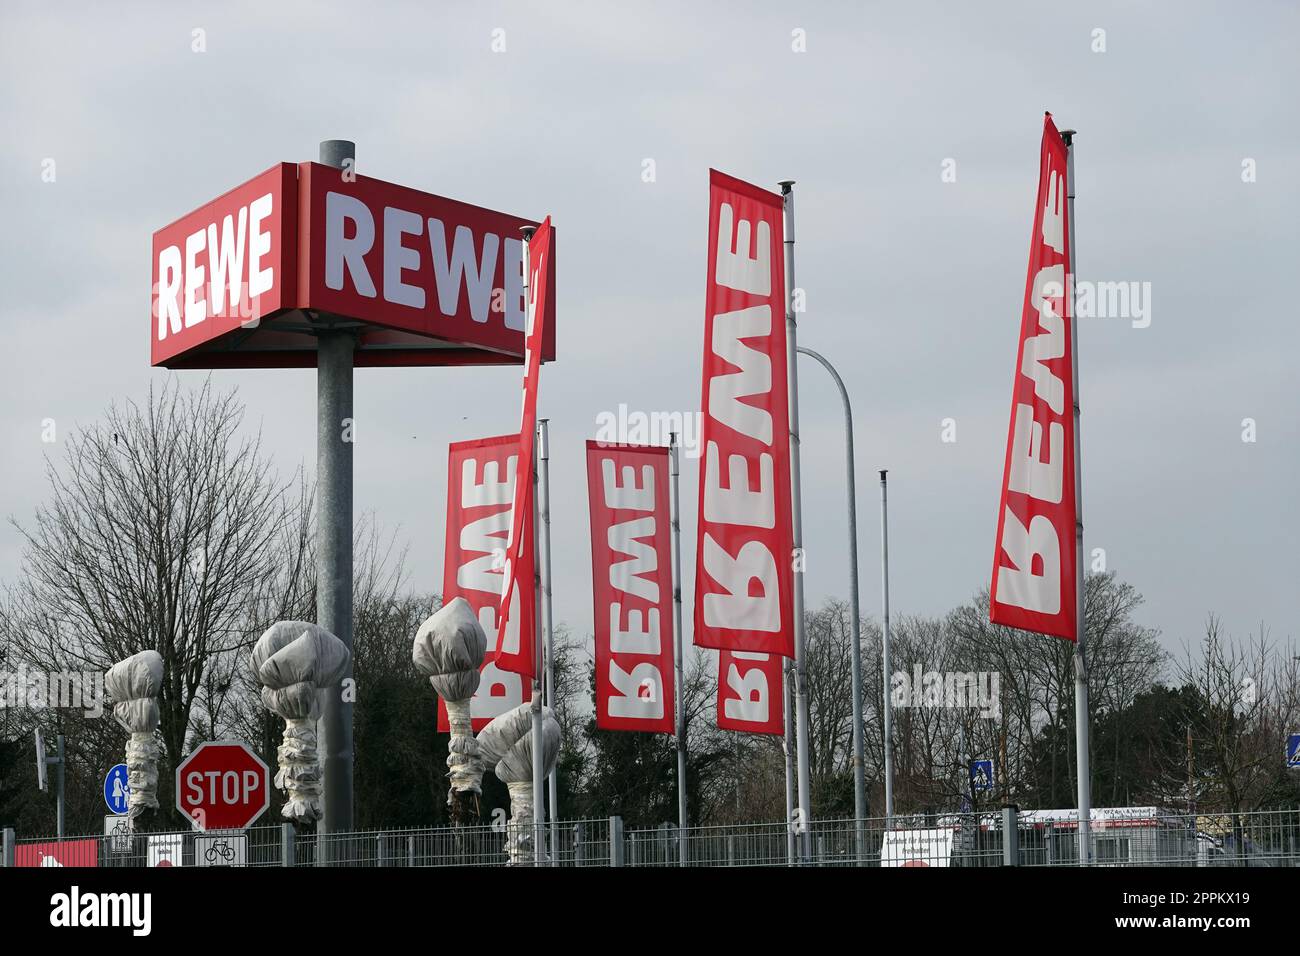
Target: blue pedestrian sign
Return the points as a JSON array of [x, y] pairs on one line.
[[1293, 752], [116, 789], [981, 776]]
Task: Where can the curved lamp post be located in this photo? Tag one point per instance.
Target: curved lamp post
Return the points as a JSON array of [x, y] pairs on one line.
[[859, 764]]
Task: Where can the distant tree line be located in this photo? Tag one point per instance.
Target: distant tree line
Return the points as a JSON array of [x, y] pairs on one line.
[[167, 527]]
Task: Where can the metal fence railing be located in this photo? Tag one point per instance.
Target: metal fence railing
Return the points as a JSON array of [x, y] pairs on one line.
[[1127, 837]]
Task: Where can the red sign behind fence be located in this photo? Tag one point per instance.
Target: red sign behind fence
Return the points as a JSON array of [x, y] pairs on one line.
[[63, 853]]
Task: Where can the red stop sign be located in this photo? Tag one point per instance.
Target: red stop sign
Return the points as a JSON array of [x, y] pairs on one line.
[[222, 785]]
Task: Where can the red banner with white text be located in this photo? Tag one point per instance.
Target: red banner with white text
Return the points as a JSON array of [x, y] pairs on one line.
[[750, 694], [520, 656], [480, 487], [1034, 561], [632, 585], [744, 578]]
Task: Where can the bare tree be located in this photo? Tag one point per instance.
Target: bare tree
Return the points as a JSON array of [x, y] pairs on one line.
[[1124, 660], [1034, 736], [164, 530], [931, 745], [387, 686], [828, 666], [1247, 693]]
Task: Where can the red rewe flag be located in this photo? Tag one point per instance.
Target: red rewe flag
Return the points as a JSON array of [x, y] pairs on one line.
[[750, 696], [480, 488], [744, 578], [632, 585], [1034, 561], [516, 649]]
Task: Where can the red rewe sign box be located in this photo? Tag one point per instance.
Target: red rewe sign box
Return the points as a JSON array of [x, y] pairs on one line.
[[244, 280], [222, 785]]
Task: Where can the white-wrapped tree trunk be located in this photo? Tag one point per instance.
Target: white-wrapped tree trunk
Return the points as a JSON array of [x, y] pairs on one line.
[[134, 685], [449, 649], [506, 745], [294, 661]]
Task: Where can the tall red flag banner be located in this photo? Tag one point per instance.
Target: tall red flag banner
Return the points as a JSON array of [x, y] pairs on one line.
[[1034, 561], [749, 692], [632, 585], [744, 578], [480, 488], [516, 649]]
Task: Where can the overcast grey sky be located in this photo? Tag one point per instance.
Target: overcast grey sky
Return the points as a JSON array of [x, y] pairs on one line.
[[914, 284]]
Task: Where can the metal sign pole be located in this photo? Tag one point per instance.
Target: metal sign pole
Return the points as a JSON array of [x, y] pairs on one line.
[[1081, 715], [855, 653], [796, 524], [42, 764], [544, 490], [336, 346], [683, 848], [59, 778]]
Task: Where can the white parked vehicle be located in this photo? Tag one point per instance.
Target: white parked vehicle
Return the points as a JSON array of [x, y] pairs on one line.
[[1121, 836]]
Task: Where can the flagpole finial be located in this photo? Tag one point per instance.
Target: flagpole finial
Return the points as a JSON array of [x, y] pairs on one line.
[[1068, 136], [786, 185], [527, 232]]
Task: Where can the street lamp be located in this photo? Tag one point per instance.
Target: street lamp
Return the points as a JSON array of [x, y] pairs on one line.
[[859, 763]]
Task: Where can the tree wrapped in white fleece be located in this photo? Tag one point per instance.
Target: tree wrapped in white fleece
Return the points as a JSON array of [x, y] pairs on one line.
[[134, 684], [449, 649], [294, 661], [506, 745]]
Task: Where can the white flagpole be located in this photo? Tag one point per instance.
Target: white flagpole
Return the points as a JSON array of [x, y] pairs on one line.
[[787, 745], [800, 677], [885, 665], [683, 847], [1081, 714], [544, 490], [539, 777]]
